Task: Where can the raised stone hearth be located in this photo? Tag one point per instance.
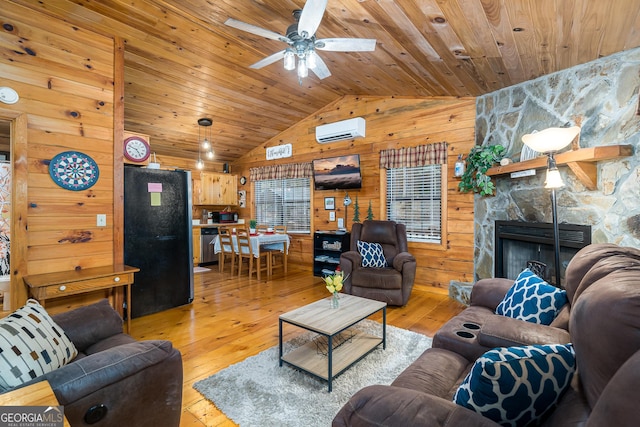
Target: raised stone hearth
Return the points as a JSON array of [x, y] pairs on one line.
[[460, 291]]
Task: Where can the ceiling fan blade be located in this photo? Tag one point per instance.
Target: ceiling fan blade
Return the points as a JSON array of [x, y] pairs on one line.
[[268, 60], [310, 17], [346, 45], [321, 69], [249, 28]]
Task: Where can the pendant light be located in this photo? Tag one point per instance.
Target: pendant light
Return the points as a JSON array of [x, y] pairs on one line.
[[204, 144]]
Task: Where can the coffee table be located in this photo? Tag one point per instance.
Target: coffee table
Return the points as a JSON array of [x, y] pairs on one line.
[[341, 352]]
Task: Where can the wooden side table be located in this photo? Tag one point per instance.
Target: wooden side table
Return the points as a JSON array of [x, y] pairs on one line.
[[38, 394], [63, 283]]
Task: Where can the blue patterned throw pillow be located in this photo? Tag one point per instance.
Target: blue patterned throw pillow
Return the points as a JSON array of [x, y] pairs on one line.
[[516, 385], [532, 299], [372, 254]]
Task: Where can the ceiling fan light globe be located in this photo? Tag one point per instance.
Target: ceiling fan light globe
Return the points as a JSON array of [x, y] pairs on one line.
[[303, 71], [311, 59], [289, 60]]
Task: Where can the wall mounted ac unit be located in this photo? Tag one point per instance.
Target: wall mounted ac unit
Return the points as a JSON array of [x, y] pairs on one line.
[[340, 131]]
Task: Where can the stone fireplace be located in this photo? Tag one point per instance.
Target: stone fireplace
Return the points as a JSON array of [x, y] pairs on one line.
[[602, 98]]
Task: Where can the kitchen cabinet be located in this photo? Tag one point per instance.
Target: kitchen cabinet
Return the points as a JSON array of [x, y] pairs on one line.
[[196, 246], [216, 189], [327, 247]]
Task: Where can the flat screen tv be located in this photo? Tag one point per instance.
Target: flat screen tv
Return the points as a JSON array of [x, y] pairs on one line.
[[337, 173]]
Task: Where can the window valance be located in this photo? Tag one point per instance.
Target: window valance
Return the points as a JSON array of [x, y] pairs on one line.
[[283, 171], [422, 155]]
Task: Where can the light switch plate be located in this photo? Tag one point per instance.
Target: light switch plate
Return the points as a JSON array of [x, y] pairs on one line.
[[340, 222], [332, 216], [101, 220]]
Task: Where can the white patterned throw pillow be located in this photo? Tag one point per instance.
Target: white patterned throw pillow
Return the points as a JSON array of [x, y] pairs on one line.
[[532, 299], [31, 344], [372, 254], [515, 386]]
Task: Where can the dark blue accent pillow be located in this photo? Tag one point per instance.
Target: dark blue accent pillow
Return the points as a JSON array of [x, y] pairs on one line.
[[514, 386], [372, 254], [532, 299]]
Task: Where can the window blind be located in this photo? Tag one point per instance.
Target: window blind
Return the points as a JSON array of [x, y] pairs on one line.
[[414, 199], [284, 202]]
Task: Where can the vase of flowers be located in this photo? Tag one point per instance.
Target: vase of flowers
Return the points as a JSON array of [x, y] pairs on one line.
[[333, 283]]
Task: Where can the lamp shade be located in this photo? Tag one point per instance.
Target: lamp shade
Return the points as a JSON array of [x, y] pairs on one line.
[[550, 139], [554, 180]]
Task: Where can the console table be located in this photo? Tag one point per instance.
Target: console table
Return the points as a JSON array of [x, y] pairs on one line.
[[63, 283]]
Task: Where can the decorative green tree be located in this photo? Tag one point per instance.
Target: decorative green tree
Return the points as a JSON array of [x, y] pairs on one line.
[[356, 211], [370, 212]]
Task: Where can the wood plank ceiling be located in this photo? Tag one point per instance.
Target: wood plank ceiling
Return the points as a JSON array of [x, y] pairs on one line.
[[182, 63]]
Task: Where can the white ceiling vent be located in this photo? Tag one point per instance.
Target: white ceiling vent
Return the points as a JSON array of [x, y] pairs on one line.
[[340, 131]]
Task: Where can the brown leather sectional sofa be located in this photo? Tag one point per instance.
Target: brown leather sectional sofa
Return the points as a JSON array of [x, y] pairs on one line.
[[602, 320]]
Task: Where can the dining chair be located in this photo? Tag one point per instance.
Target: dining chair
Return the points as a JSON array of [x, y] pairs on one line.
[[262, 228], [245, 251], [278, 253], [226, 248]]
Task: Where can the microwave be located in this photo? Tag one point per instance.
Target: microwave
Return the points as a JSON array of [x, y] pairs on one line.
[[224, 217]]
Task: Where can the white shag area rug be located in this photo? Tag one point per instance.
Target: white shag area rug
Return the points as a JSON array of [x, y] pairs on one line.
[[258, 392]]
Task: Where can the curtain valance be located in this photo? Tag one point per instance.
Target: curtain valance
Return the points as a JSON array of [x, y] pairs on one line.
[[283, 171], [428, 154]]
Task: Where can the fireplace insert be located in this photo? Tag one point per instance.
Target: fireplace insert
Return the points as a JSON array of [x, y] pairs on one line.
[[518, 243]]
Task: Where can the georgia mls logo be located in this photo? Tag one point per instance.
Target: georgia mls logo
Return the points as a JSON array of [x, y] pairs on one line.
[[31, 416]]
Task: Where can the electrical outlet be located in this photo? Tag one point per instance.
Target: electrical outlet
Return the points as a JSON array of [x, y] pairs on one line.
[[101, 220], [332, 216]]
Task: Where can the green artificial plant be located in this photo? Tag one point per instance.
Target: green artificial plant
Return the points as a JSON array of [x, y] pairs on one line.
[[479, 160], [253, 223]]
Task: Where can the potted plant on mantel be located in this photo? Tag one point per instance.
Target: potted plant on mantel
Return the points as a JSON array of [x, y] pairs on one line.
[[479, 160]]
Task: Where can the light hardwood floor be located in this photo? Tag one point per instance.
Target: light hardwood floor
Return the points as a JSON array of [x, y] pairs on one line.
[[233, 318]]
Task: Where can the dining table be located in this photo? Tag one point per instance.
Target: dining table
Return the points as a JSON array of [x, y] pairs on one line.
[[273, 241]]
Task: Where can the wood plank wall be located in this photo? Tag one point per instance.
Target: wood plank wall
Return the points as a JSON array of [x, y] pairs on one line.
[[65, 78], [391, 122]]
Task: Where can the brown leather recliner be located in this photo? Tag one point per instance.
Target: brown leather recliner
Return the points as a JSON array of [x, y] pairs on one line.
[[603, 287], [390, 284], [115, 380]]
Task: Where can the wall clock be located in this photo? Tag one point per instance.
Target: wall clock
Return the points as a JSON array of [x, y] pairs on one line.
[[136, 149], [74, 171], [243, 180]]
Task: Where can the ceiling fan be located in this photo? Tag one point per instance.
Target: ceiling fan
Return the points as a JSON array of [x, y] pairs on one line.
[[301, 38]]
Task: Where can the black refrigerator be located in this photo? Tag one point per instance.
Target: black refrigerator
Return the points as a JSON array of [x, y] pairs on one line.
[[158, 238]]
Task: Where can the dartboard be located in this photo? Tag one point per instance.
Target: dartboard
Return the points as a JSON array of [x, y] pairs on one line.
[[73, 170]]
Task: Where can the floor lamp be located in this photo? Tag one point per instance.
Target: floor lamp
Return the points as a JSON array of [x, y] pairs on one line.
[[549, 141]]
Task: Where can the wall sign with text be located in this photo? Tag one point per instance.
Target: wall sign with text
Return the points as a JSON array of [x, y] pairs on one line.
[[279, 152]]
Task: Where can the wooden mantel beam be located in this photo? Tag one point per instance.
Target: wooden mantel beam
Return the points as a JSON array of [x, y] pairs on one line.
[[581, 162]]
